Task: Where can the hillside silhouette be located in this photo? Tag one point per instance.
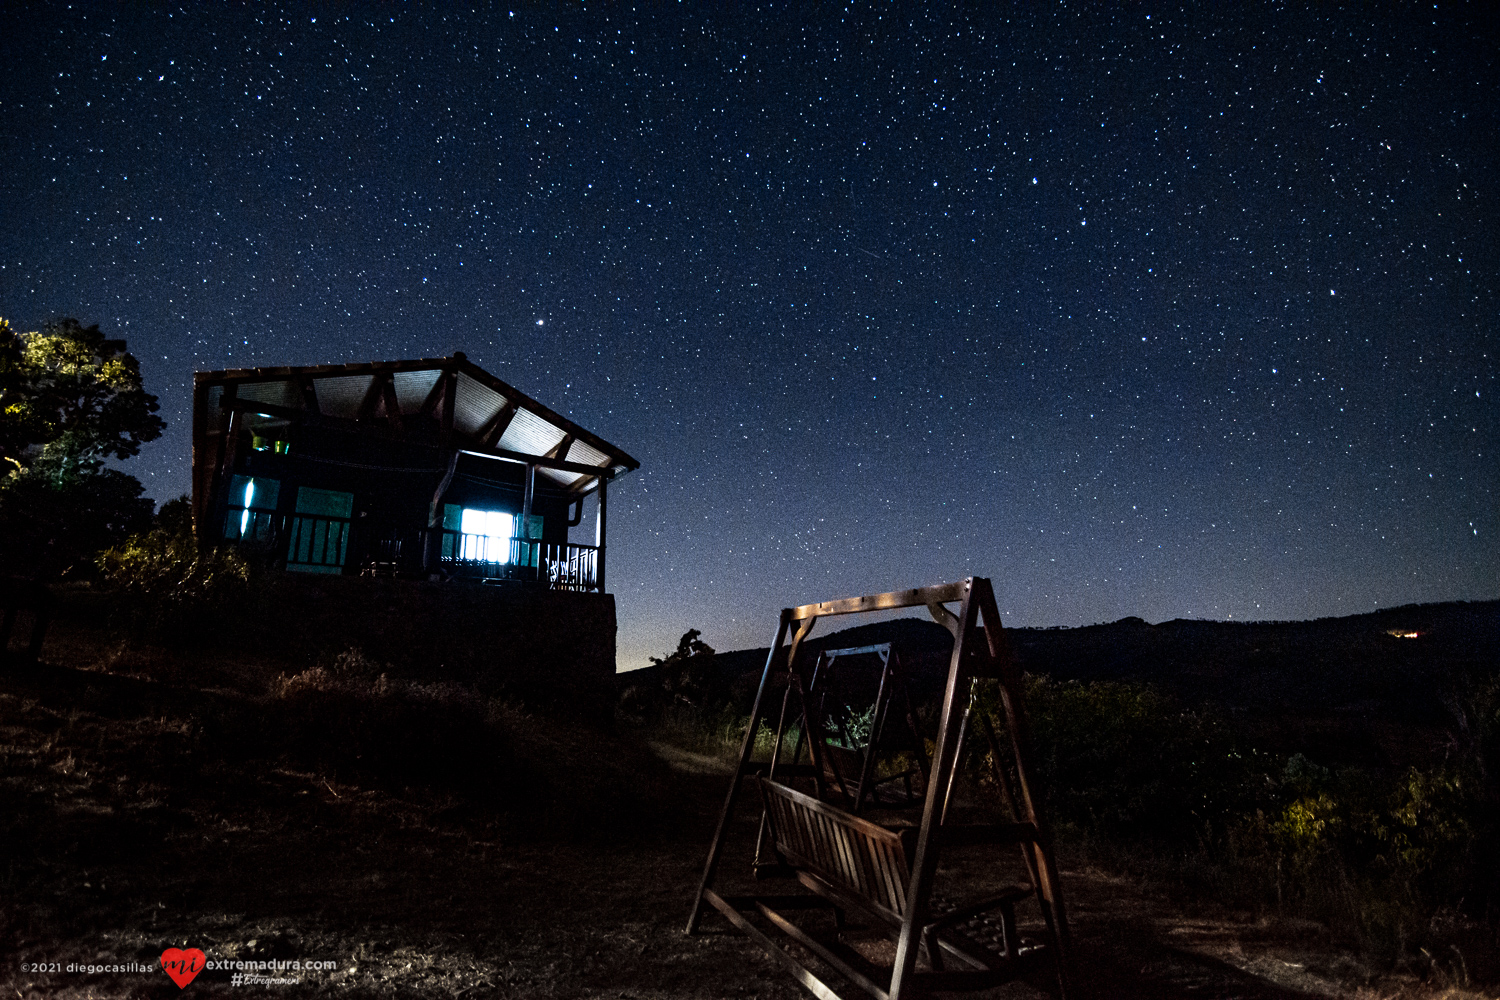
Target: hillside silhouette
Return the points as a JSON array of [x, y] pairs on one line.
[[1379, 689]]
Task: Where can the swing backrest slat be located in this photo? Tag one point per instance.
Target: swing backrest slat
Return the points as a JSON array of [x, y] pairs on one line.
[[850, 853]]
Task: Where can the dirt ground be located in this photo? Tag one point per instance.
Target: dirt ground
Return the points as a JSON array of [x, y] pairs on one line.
[[119, 842]]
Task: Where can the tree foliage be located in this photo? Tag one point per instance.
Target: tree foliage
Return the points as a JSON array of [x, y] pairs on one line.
[[57, 512], [688, 676], [70, 389], [69, 399], [173, 586]]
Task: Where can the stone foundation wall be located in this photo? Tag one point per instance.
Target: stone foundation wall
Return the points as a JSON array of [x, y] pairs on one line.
[[550, 649]]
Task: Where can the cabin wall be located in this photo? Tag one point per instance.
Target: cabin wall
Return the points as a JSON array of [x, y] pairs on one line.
[[392, 481]]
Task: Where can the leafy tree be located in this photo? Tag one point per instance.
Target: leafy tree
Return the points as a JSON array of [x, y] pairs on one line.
[[69, 399], [57, 512], [691, 674], [70, 388]]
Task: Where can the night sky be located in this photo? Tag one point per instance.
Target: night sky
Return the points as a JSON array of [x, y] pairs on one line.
[[1169, 312]]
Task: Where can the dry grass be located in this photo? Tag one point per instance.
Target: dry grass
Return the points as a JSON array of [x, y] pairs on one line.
[[437, 843]]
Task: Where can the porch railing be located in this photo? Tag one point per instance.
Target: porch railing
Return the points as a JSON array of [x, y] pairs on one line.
[[340, 545], [559, 565], [318, 544]]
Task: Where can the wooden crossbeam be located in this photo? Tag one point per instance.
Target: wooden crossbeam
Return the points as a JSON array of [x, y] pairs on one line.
[[371, 398], [495, 427], [560, 452], [434, 397], [309, 394], [389, 400], [941, 594]]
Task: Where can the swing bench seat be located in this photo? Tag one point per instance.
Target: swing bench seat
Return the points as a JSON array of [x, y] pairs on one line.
[[860, 866]]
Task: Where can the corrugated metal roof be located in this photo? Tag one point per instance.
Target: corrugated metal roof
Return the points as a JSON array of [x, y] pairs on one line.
[[340, 390], [476, 404], [287, 394], [530, 434], [412, 388], [560, 476], [340, 397], [586, 454]]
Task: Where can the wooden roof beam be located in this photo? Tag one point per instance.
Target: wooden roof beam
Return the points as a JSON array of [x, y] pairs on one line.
[[449, 382], [265, 409], [370, 401], [542, 462], [560, 453], [434, 396], [391, 403], [309, 394], [494, 428]]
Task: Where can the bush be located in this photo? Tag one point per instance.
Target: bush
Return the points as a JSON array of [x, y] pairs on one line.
[[1376, 857], [356, 720], [173, 586], [1123, 762], [689, 676], [57, 513]]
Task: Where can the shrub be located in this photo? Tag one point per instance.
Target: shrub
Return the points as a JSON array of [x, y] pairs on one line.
[[171, 584], [689, 676], [385, 729], [1376, 857], [1122, 761], [57, 513]]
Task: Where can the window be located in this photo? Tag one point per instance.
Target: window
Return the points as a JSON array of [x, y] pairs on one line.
[[280, 447], [252, 504], [319, 535], [486, 535]]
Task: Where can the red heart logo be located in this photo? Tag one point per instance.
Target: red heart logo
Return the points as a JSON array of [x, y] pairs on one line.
[[182, 965]]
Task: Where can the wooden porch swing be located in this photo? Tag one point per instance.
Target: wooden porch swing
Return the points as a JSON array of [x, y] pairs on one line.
[[884, 872], [853, 763]]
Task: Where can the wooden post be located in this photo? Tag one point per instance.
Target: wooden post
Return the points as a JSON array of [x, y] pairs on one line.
[[432, 551], [527, 498], [929, 839], [741, 770], [601, 532], [228, 456], [208, 522]]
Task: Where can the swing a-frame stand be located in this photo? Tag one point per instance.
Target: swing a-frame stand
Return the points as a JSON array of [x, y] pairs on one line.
[[891, 725], [884, 874]]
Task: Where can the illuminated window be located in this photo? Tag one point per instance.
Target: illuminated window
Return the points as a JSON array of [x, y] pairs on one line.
[[486, 535], [259, 443], [249, 502], [252, 504]]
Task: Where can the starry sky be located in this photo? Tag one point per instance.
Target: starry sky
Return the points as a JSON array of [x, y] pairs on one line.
[[1135, 309]]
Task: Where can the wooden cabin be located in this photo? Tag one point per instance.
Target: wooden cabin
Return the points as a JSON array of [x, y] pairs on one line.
[[430, 469]]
